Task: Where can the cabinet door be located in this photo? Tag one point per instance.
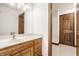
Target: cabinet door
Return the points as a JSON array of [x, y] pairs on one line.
[[38, 53], [38, 47], [27, 52], [18, 54]]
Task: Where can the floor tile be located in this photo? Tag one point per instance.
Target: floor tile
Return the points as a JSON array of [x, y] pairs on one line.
[[63, 50]]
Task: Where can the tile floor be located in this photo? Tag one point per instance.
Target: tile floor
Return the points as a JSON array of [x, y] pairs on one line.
[[63, 50]]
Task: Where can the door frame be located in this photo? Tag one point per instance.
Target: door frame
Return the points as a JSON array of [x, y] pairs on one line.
[[49, 29], [76, 34], [73, 27], [77, 6]]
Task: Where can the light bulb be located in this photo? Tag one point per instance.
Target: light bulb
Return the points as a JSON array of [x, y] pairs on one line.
[[24, 8], [27, 6]]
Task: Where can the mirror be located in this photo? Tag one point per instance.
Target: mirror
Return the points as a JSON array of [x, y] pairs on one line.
[[11, 18]]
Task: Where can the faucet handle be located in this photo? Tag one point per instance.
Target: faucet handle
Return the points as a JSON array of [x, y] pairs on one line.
[[12, 33]]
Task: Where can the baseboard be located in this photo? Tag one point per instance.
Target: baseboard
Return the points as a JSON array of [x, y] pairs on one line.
[[75, 46], [55, 43], [59, 43], [70, 45]]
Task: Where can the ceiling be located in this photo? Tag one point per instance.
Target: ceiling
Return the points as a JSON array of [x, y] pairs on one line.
[[63, 5], [8, 5], [14, 7]]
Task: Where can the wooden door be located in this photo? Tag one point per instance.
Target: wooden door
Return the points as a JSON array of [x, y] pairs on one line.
[[67, 29], [21, 23]]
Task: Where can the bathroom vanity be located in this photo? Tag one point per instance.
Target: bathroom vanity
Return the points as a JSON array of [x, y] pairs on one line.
[[27, 45]]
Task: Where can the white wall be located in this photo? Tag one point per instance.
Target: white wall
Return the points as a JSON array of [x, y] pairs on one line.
[[36, 22], [28, 25], [59, 9], [8, 20], [66, 11], [55, 26]]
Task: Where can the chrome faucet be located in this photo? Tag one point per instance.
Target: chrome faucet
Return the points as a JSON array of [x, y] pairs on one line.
[[13, 35]]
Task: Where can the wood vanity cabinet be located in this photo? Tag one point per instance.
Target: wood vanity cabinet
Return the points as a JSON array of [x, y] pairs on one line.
[[30, 48]]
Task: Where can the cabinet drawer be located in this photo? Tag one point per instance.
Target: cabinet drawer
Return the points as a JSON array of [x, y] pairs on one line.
[[38, 41]]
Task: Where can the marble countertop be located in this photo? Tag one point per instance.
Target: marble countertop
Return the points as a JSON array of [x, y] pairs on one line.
[[6, 41]]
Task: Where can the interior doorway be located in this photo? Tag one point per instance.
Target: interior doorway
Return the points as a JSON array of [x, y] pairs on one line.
[[67, 29], [63, 39]]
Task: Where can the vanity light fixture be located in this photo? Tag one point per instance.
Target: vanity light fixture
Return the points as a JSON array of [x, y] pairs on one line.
[[22, 6]]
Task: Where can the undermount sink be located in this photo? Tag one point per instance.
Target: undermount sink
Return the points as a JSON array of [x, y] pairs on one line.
[[11, 39], [16, 38], [5, 40]]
